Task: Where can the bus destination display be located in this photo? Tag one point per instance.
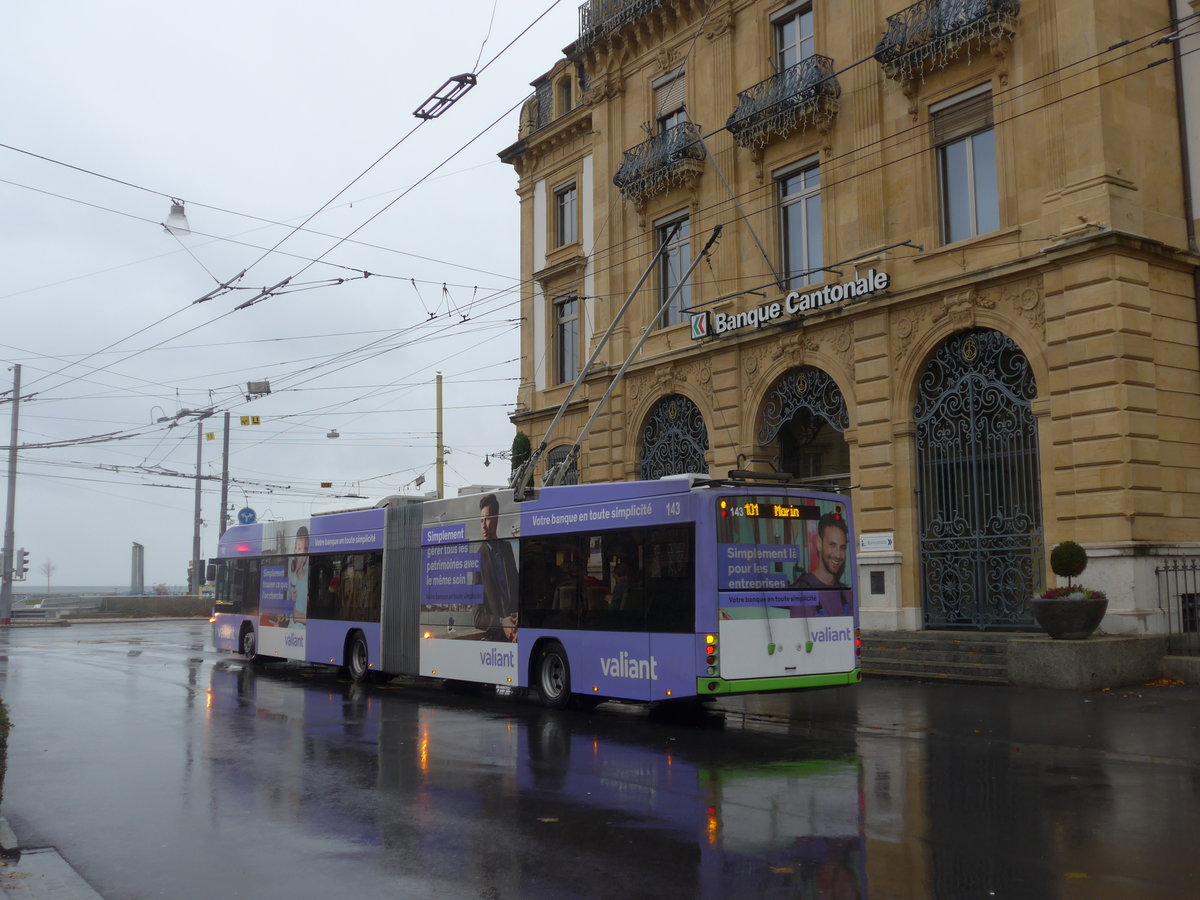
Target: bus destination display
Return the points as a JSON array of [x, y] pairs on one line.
[[761, 509]]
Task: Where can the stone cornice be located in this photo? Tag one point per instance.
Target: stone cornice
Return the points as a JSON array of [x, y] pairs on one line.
[[528, 153]]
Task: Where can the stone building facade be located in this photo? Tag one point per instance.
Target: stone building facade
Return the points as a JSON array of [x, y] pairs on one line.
[[955, 272]]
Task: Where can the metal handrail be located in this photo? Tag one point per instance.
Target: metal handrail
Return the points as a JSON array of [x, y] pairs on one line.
[[942, 22], [658, 159], [806, 84]]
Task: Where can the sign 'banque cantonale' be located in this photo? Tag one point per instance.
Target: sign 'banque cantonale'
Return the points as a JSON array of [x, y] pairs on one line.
[[714, 324]]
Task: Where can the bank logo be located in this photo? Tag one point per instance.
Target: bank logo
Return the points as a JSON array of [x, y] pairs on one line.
[[699, 326]]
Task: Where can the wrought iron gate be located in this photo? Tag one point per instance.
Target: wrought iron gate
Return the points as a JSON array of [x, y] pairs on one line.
[[979, 493], [674, 439]]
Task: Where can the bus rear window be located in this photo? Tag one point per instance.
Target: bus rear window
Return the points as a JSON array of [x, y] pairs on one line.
[[781, 543]]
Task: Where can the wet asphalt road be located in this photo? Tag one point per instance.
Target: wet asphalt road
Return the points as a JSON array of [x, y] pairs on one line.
[[160, 769]]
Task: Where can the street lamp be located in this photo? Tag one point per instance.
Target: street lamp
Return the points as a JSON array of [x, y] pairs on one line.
[[177, 223]]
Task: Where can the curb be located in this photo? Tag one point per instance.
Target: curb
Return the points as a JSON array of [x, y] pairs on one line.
[[10, 848]]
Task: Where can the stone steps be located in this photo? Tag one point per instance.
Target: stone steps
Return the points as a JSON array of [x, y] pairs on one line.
[[937, 655]]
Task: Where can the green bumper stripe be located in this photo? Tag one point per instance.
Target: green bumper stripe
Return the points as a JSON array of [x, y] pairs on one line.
[[705, 686]]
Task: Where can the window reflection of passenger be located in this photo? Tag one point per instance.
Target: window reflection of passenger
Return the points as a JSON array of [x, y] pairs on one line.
[[622, 594], [497, 615]]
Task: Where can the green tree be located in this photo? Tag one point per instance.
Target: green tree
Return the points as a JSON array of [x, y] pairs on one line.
[[522, 449]]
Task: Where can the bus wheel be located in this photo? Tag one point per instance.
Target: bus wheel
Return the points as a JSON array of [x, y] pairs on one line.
[[357, 664], [247, 643], [554, 677]]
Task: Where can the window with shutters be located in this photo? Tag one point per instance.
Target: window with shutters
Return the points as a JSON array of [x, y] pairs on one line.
[[670, 100], [793, 35], [965, 142]]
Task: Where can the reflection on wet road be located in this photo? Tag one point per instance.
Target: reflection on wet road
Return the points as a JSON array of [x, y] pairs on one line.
[[159, 768]]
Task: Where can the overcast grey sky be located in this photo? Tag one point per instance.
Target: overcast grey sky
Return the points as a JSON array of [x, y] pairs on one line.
[[249, 111]]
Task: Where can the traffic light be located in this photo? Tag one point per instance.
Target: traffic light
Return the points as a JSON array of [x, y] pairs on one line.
[[22, 563]]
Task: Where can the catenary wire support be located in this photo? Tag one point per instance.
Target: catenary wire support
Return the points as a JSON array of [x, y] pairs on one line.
[[555, 475], [446, 96], [524, 473]]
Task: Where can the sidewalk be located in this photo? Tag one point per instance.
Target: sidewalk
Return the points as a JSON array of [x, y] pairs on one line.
[[38, 874]]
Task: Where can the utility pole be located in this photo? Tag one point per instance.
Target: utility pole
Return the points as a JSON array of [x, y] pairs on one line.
[[10, 510], [441, 449], [225, 479], [196, 575]]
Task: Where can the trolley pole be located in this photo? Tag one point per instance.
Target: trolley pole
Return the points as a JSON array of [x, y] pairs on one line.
[[6, 578]]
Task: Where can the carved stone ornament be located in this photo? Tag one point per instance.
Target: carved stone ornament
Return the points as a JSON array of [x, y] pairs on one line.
[[700, 373], [1028, 301], [960, 307], [719, 22], [843, 342], [796, 345], [907, 328]]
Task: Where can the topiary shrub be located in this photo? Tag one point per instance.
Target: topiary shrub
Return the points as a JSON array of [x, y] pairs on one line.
[[1068, 560], [522, 449]]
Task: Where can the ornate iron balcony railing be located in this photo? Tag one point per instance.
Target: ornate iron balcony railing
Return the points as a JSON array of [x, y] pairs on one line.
[[795, 98], [600, 18], [930, 33], [661, 163]]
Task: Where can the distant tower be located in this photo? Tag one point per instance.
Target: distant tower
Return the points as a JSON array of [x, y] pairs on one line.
[[137, 570]]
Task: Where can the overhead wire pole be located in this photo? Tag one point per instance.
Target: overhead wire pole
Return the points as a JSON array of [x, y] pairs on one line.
[[6, 579], [225, 478], [201, 415], [441, 447]]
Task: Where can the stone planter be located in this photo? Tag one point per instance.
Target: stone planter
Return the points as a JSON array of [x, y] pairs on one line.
[[1069, 620]]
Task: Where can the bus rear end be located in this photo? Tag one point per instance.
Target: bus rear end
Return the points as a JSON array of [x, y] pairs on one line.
[[776, 598]]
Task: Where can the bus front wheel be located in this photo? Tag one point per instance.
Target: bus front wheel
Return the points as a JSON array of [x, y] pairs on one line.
[[357, 661], [554, 677]]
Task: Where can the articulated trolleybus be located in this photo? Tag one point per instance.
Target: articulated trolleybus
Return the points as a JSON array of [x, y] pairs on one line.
[[679, 588]]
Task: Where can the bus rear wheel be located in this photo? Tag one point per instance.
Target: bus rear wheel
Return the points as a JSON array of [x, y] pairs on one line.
[[357, 660], [554, 677], [247, 643]]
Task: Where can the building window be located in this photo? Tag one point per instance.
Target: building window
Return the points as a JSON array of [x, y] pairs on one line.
[[793, 35], [564, 96], [566, 215], [566, 338], [966, 162], [674, 262], [800, 225], [670, 100]]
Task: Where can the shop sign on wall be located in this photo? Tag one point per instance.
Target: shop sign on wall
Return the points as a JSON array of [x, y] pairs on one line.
[[708, 324]]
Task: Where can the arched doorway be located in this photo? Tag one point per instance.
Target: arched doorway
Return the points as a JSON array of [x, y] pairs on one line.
[[674, 439], [978, 487], [805, 413]]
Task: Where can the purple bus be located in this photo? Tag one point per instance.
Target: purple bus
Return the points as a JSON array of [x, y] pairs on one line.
[[679, 588]]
